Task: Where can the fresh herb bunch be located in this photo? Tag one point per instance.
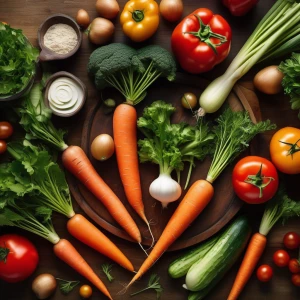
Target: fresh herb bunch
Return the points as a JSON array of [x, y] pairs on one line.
[[66, 286], [106, 268], [233, 132], [17, 60], [152, 284], [290, 82]]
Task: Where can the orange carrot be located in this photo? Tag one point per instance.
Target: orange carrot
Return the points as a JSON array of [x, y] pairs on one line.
[[196, 199], [86, 232], [125, 138], [254, 251], [75, 160], [67, 253]]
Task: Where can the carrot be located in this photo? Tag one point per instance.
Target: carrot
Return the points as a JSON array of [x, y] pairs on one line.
[[86, 232], [254, 251], [75, 160], [67, 253], [196, 199], [125, 138]]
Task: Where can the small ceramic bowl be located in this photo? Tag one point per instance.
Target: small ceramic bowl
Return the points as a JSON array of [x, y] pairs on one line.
[[71, 76], [46, 54]]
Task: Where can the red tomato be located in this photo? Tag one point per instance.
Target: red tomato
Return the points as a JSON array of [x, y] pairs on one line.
[[18, 259], [281, 258], [6, 130], [264, 273], [291, 240], [255, 179], [296, 279], [3, 146], [201, 40], [294, 265]]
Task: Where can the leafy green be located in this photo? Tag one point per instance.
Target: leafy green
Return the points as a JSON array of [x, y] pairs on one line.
[[152, 284], [170, 145], [17, 60], [234, 131], [291, 80], [130, 71], [106, 268], [280, 207], [66, 286], [4, 253], [36, 119]]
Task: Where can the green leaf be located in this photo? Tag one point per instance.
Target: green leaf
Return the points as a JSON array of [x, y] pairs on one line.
[[152, 284], [66, 286], [106, 268]]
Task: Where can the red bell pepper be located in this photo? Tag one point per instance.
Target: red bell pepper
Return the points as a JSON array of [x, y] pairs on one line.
[[201, 40], [240, 7]]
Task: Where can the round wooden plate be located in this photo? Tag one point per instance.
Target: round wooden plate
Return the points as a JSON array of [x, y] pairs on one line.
[[224, 204]]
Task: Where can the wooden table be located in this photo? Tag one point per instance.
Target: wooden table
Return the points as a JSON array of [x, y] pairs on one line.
[[28, 15]]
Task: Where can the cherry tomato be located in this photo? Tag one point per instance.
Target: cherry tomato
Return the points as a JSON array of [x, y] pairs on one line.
[[264, 273], [18, 258], [189, 100], [3, 146], [255, 179], [6, 130], [291, 240], [281, 258], [85, 291], [296, 279], [294, 265]]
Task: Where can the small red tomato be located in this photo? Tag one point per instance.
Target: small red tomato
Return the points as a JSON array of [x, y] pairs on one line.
[[3, 146], [281, 258], [291, 240], [294, 265], [264, 273], [18, 258], [6, 130], [296, 279], [255, 179]]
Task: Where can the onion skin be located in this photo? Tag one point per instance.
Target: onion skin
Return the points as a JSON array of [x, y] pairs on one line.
[[44, 286], [171, 10], [103, 147], [83, 18], [268, 80], [107, 9], [101, 31]]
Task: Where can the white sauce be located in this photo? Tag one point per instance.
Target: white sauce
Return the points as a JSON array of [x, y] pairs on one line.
[[65, 96]]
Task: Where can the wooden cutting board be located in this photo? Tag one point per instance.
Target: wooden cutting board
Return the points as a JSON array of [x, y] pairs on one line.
[[224, 204]]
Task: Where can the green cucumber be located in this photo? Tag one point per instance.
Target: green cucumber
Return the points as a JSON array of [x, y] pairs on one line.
[[220, 258], [181, 265]]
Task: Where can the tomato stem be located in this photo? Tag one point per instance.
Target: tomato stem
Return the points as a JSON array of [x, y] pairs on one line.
[[294, 148], [205, 33], [258, 181], [4, 253]]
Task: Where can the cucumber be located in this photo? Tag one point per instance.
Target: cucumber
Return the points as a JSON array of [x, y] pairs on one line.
[[181, 265], [220, 258]]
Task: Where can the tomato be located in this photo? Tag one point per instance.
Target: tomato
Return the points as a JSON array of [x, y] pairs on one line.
[[189, 100], [201, 41], [281, 258], [6, 130], [264, 273], [294, 265], [255, 179], [85, 291], [3, 146], [296, 279], [18, 258], [291, 240], [284, 150]]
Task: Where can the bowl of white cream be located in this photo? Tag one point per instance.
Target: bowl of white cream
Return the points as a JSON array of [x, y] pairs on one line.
[[65, 94]]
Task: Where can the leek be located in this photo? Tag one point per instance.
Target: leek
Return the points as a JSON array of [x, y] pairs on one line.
[[276, 33]]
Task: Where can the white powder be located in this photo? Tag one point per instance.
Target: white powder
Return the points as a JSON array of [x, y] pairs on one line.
[[60, 38]]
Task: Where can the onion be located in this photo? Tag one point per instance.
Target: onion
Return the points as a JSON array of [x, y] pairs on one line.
[[171, 10], [102, 147], [107, 9], [83, 18], [268, 80], [44, 285], [189, 100], [101, 31]]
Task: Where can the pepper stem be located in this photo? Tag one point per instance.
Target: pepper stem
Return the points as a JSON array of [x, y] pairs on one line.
[[138, 15], [293, 149], [205, 33], [258, 181]]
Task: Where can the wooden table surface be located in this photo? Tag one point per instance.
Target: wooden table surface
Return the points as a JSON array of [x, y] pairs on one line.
[[28, 15]]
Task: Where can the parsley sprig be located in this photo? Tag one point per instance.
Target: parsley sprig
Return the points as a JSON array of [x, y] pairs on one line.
[[152, 284]]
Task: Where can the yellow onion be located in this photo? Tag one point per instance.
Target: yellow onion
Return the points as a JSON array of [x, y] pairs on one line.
[[101, 31], [171, 10], [83, 18], [107, 9], [102, 147]]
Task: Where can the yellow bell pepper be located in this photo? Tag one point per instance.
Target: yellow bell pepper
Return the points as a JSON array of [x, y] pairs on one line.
[[140, 19]]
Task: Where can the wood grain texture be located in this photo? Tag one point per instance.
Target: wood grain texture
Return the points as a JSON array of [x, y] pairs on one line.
[[28, 15]]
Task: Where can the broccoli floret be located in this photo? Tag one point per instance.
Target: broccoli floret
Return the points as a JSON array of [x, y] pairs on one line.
[[130, 71]]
